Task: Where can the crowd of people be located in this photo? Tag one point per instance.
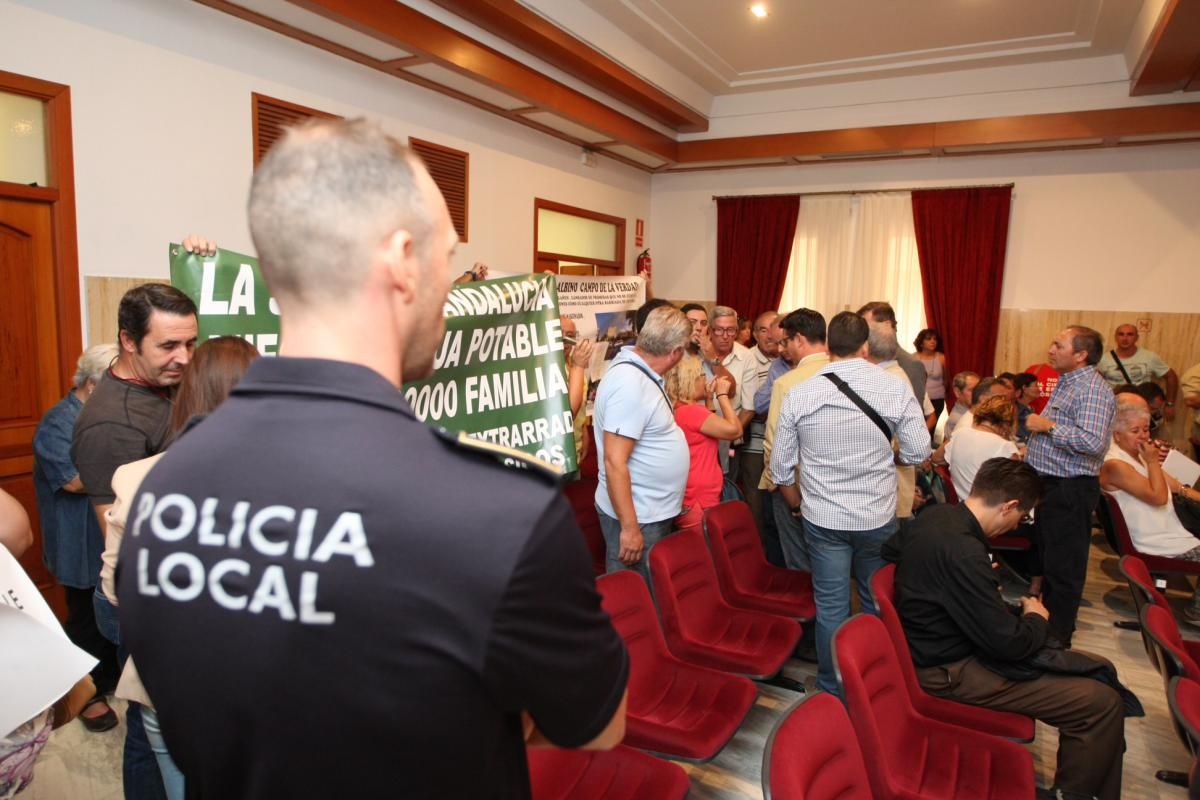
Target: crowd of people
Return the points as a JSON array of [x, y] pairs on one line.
[[303, 554]]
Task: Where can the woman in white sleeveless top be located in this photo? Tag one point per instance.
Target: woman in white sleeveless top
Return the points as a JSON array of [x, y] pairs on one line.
[[1132, 473]]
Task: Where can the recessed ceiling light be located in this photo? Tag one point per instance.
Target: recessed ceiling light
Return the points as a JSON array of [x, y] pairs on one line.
[[759, 10]]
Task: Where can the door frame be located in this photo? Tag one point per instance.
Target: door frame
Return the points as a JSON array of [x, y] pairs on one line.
[[60, 196]]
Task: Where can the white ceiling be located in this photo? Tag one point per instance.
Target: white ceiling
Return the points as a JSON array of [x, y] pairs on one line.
[[720, 45]]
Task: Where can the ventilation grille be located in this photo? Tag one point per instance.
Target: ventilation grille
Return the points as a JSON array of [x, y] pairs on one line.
[[272, 116], [450, 169]]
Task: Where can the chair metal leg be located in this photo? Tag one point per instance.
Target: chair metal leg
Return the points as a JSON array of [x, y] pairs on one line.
[[1127, 625], [1172, 777]]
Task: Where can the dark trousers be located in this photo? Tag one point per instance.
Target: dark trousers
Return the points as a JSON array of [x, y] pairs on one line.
[[1064, 531], [760, 506], [83, 632], [1088, 714]]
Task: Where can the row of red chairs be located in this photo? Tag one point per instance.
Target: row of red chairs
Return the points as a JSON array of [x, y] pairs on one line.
[[726, 616], [1176, 660], [921, 746]]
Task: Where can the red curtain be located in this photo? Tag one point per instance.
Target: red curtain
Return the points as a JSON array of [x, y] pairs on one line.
[[961, 240], [754, 243]]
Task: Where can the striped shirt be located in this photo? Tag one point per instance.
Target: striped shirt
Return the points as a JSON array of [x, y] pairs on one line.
[[1082, 409], [848, 480]]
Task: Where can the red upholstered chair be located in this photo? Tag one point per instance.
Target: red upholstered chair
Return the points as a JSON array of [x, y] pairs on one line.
[[1183, 695], [1155, 564], [747, 579], [987, 720], [1146, 593], [1169, 649], [619, 774], [913, 756], [581, 494], [700, 627], [812, 754], [674, 708]]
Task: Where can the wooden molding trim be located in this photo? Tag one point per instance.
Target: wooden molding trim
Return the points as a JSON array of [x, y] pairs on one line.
[[892, 141], [401, 26], [1170, 61], [61, 197], [515, 23]]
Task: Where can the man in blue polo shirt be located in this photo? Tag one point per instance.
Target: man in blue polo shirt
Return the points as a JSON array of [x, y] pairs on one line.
[[642, 453]]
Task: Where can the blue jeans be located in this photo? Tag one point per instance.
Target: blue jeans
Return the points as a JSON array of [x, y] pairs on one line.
[[172, 777], [610, 527], [835, 555], [106, 618]]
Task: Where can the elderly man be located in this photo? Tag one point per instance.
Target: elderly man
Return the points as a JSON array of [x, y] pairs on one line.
[[737, 360], [881, 312], [1128, 363], [762, 354], [802, 344], [643, 455], [1067, 449], [838, 426], [963, 385], [954, 618], [882, 347], [312, 526], [72, 540]]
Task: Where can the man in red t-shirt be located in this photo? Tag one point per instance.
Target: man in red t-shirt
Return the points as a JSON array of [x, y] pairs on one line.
[[1047, 378]]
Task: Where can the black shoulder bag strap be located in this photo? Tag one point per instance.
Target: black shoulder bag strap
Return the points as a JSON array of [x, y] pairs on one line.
[[858, 401], [649, 375], [1120, 366]]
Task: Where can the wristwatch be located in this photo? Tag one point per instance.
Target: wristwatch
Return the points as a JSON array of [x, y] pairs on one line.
[[795, 510]]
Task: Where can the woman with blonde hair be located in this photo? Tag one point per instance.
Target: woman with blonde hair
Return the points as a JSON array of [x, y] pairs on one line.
[[990, 436], [703, 430]]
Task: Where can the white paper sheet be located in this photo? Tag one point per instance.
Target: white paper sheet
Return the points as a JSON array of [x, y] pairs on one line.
[[38, 664], [1181, 468]]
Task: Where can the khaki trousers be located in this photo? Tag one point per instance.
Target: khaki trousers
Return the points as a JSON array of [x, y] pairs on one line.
[[1088, 714]]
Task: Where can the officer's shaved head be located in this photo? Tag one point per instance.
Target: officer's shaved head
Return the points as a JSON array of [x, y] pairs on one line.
[[326, 195]]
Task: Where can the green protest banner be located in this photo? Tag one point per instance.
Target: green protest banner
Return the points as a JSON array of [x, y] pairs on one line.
[[499, 373]]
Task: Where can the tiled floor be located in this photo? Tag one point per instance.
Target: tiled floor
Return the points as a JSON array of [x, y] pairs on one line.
[[78, 765]]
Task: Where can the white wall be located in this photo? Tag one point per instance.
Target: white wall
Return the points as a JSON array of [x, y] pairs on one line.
[[160, 93], [1098, 229]]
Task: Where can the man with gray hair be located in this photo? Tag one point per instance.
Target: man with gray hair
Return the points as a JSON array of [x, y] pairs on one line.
[[737, 360], [963, 383], [643, 455], [312, 527], [72, 539], [882, 346]]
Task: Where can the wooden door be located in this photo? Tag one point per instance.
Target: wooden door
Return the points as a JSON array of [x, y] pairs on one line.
[[30, 366]]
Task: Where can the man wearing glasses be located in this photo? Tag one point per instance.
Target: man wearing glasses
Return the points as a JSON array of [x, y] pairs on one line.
[[740, 363]]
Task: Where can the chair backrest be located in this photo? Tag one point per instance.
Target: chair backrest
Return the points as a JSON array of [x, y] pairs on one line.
[[812, 754], [737, 550], [883, 587], [881, 711], [1109, 509], [686, 588], [626, 599], [943, 472], [1141, 584], [1183, 695], [1163, 631]]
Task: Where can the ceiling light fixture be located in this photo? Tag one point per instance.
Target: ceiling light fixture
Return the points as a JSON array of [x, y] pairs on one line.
[[759, 10]]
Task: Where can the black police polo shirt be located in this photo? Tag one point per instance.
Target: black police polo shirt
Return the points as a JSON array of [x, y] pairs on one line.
[[325, 598]]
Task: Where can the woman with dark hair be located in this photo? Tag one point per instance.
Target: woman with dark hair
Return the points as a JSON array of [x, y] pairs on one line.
[[217, 365], [928, 345], [1028, 391]]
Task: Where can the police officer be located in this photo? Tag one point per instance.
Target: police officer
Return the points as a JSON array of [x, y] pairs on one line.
[[324, 596]]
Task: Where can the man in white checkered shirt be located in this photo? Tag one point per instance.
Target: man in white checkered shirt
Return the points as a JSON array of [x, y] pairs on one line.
[[848, 476]]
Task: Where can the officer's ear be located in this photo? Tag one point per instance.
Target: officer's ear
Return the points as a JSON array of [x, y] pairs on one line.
[[398, 254]]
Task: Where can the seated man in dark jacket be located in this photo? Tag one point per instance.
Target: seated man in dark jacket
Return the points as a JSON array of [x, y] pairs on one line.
[[954, 616]]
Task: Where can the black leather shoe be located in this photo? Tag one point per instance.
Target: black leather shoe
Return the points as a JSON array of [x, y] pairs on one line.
[[105, 722]]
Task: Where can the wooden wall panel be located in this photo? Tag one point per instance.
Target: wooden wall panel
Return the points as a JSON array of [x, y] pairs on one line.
[[103, 295], [1025, 336]]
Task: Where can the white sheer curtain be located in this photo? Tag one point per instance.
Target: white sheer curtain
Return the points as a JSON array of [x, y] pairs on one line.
[[851, 249]]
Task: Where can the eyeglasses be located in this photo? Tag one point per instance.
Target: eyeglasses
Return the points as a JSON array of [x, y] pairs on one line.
[[724, 331], [1027, 518]]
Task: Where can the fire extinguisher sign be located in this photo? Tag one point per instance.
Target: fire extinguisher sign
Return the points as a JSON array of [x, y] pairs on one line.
[[639, 233]]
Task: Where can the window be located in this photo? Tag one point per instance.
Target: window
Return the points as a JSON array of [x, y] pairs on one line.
[[23, 137], [450, 170], [271, 116], [575, 241]]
